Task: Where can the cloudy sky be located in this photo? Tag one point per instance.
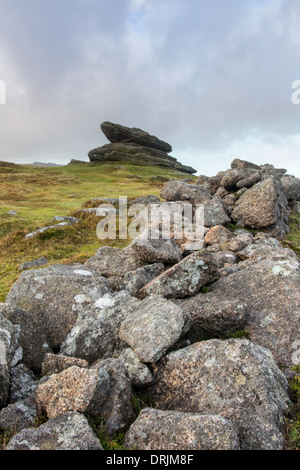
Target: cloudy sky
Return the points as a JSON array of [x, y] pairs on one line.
[[214, 79]]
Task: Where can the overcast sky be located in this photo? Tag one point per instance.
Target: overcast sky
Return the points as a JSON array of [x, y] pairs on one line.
[[214, 79]]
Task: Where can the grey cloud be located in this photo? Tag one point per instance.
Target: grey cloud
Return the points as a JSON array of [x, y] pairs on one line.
[[209, 77]]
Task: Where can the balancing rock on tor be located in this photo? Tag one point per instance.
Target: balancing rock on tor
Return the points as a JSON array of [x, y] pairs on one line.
[[137, 147]]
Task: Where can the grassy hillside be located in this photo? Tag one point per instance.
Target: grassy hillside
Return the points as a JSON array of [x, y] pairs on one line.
[[38, 194]]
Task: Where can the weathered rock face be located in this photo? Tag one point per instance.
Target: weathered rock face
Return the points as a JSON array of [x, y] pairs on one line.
[[19, 415], [291, 187], [271, 290], [173, 430], [70, 431], [74, 389], [118, 133], [214, 316], [54, 295], [135, 146], [263, 206], [180, 191], [134, 281], [154, 327], [32, 338], [95, 335], [235, 379], [10, 354], [114, 262], [55, 364], [185, 278], [117, 410], [156, 251], [138, 373]]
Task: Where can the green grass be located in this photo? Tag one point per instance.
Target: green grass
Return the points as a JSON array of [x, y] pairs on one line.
[[38, 194], [292, 239], [293, 423]]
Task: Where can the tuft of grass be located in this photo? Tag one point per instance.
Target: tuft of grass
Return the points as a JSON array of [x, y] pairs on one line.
[[108, 442], [292, 432], [141, 400], [292, 239], [5, 437], [238, 334]]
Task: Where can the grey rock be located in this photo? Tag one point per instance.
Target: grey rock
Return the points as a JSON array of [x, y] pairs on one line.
[[32, 337], [45, 229], [55, 295], [95, 335], [13, 213], [65, 218], [215, 213], [70, 431], [236, 379], [213, 316], [270, 288], [134, 281], [23, 383], [19, 415], [295, 205], [137, 155], [291, 187], [138, 373], [117, 410], [10, 354], [118, 133], [109, 261], [155, 251], [145, 200], [154, 327], [174, 430], [249, 181], [33, 264], [185, 278], [179, 191], [244, 165], [263, 206]]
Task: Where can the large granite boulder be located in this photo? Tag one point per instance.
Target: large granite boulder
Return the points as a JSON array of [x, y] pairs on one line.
[[236, 379], [174, 430], [69, 431], [264, 206], [54, 296]]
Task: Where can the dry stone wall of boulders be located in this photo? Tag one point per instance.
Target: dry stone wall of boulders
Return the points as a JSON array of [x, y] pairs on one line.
[[158, 317]]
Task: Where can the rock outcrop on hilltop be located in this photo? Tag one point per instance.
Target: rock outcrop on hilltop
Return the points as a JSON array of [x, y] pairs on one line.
[[135, 146], [162, 316]]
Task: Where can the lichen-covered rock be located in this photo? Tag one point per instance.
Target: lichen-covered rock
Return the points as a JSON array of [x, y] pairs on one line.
[[74, 389], [153, 327], [117, 410], [185, 278], [174, 430], [213, 316], [10, 354], [70, 431], [291, 187], [19, 415], [95, 334], [179, 191], [54, 295], [114, 262], [139, 374], [155, 251], [263, 206], [215, 212], [32, 338], [54, 363], [134, 281], [23, 383], [236, 379], [271, 289], [244, 165], [265, 248]]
